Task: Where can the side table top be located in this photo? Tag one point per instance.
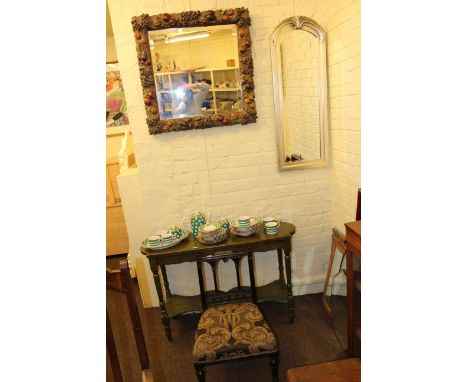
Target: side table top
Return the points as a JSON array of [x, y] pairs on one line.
[[355, 227], [192, 245]]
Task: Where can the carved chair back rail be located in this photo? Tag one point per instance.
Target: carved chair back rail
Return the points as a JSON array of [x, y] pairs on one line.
[[216, 297]]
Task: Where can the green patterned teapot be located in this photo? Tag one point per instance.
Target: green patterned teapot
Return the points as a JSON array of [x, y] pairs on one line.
[[196, 220]]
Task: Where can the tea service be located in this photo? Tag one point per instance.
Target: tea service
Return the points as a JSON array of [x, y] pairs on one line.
[[165, 238], [211, 233]]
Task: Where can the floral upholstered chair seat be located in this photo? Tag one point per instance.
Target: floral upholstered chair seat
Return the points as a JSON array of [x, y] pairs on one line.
[[232, 331]]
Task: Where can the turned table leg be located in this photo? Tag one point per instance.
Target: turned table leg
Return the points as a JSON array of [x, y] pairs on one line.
[[200, 370], [287, 257], [274, 366], [280, 264], [165, 281], [253, 284], [162, 303]]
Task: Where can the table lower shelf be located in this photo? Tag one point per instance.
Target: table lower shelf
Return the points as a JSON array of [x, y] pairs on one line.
[[277, 291], [177, 305]]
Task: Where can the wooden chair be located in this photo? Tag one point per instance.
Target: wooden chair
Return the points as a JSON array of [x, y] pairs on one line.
[[231, 326], [121, 281], [338, 242]]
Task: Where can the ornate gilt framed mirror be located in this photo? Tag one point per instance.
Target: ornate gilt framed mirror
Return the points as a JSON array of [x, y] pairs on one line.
[[299, 68], [196, 69]]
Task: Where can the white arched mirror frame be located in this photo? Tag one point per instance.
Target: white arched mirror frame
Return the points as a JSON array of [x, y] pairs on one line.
[[310, 26]]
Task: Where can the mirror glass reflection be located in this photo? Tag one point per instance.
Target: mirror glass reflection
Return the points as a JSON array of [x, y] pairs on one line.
[[196, 70], [299, 59]]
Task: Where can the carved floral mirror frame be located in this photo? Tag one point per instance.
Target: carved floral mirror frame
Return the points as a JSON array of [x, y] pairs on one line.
[[310, 26], [145, 23]]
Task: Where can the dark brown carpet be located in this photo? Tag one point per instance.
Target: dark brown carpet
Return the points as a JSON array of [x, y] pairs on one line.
[[308, 340]]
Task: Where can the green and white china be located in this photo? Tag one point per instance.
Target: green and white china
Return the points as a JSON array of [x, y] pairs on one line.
[[271, 228], [154, 241], [196, 220], [176, 231], [224, 222], [169, 241], [208, 228], [167, 238], [244, 221], [208, 235], [255, 225]]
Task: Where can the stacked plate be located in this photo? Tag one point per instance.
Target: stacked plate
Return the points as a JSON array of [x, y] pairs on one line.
[[211, 234], [243, 227]]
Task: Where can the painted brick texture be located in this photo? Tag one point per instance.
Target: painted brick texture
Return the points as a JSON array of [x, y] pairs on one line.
[[231, 171], [343, 27]]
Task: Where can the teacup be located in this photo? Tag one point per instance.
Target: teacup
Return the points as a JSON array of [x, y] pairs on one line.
[[271, 228], [154, 240], [209, 228], [244, 221], [167, 238]]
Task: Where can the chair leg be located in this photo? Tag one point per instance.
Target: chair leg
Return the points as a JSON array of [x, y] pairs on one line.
[[200, 369], [274, 366]]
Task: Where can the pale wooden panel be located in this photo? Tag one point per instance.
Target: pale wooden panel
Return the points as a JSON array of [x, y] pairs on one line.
[[143, 281], [115, 188], [116, 231], [114, 170], [109, 192]]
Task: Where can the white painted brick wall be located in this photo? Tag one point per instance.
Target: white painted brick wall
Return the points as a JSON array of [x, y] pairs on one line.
[[233, 170], [342, 24]]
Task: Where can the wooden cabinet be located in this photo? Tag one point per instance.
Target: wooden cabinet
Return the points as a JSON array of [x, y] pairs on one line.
[[353, 271]]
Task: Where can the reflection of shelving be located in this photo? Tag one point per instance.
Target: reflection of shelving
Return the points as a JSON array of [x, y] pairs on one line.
[[220, 99], [198, 70], [225, 90]]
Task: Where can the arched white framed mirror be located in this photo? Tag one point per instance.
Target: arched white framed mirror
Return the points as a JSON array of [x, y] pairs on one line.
[[299, 68]]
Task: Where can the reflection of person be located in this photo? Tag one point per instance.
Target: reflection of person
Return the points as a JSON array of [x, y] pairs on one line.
[[191, 98], [158, 64]]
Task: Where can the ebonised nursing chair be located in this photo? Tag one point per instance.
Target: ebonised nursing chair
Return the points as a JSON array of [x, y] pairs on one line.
[[231, 327]]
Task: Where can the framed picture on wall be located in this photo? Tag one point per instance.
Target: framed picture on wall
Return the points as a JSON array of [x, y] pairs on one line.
[[116, 105]]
